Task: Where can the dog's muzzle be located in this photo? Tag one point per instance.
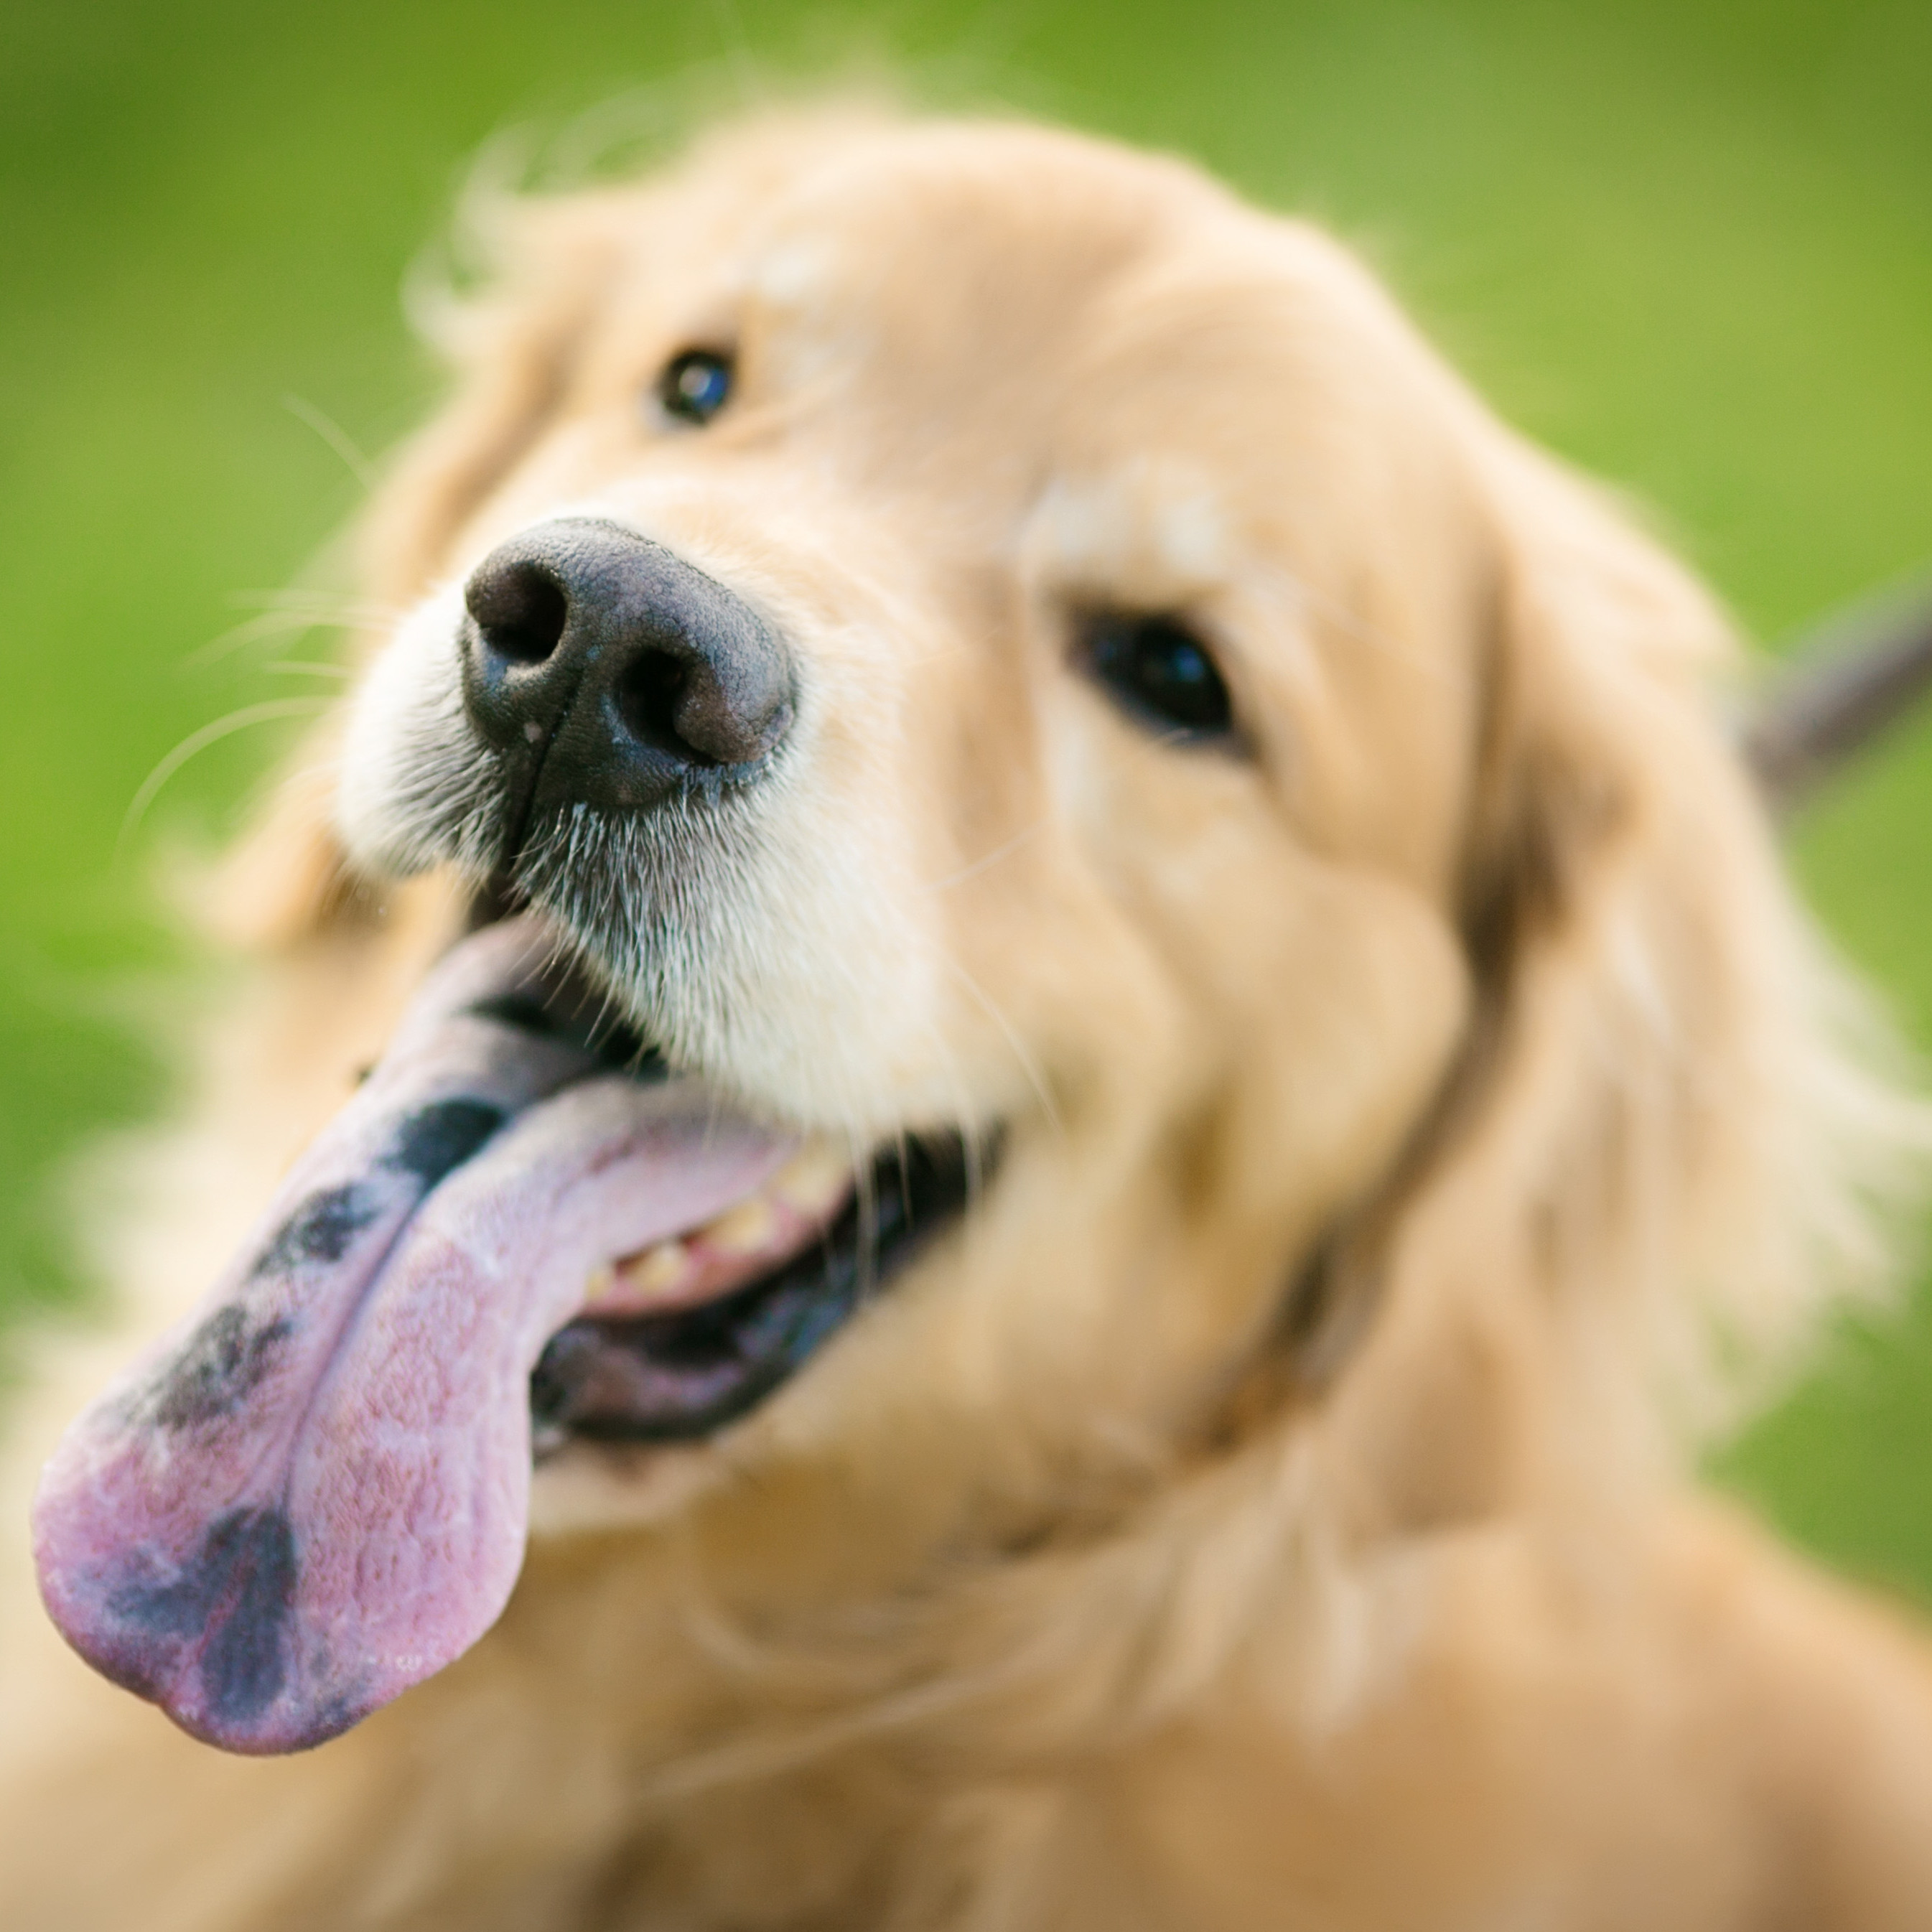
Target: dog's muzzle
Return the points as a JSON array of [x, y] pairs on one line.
[[605, 670]]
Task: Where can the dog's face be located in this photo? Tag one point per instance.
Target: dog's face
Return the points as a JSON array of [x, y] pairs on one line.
[[1161, 895], [1096, 585]]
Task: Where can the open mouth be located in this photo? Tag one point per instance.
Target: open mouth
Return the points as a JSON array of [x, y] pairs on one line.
[[674, 1342], [524, 1227], [624, 1374]]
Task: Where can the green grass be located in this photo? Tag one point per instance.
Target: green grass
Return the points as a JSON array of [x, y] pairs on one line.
[[1689, 244]]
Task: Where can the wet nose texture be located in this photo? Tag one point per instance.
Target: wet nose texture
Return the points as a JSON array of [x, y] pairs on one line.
[[607, 671]]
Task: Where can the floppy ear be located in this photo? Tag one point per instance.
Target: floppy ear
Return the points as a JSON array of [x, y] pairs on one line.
[[1664, 1147], [511, 347]]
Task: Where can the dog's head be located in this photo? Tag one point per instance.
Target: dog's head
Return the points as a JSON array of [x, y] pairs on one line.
[[971, 630], [1067, 664], [999, 660]]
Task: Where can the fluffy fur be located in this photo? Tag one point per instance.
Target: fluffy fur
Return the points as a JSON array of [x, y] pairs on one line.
[[1419, 1123]]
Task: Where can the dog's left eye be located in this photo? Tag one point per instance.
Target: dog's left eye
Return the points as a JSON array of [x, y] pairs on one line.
[[695, 385], [1158, 671]]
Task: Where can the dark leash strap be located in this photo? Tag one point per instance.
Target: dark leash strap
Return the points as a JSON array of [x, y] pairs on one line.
[[1848, 682]]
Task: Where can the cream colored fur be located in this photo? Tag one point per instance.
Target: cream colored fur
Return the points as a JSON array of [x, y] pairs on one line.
[[1267, 1511]]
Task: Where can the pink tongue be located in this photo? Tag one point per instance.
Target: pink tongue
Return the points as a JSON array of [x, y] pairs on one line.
[[315, 1494]]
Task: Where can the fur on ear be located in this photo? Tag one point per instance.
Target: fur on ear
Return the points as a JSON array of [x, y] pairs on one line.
[[1674, 1135]]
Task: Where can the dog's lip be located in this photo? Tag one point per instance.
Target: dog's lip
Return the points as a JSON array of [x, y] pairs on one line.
[[681, 1374], [755, 1234]]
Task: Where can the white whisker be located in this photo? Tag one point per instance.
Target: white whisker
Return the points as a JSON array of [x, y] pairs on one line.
[[290, 613], [992, 858], [1022, 1052], [337, 438], [199, 741]]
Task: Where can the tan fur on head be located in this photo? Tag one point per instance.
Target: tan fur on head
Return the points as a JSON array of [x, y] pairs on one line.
[[1422, 1118]]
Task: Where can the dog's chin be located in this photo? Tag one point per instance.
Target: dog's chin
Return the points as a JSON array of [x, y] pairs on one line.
[[587, 1487]]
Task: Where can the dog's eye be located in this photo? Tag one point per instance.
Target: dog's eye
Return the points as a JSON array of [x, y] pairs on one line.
[[695, 385], [1159, 671]]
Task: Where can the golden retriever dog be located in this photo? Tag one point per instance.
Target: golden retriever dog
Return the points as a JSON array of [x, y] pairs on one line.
[[1089, 1065]]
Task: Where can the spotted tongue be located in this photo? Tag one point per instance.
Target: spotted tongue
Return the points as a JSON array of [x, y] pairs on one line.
[[315, 1494]]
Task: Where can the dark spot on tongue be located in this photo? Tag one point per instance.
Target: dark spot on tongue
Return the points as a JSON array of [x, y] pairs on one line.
[[239, 1591], [435, 1139], [579, 1019], [221, 1362], [525, 1013], [320, 1229]]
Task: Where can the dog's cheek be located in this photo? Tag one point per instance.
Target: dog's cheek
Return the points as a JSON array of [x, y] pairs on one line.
[[1128, 1260], [1358, 1002], [1353, 1043], [816, 991]]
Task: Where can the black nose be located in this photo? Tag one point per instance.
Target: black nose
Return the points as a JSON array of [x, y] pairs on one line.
[[609, 672]]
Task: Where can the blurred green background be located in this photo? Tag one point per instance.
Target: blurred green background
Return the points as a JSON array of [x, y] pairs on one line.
[[1688, 242]]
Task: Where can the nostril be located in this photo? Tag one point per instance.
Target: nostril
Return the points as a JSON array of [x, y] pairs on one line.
[[520, 608], [607, 671], [647, 696]]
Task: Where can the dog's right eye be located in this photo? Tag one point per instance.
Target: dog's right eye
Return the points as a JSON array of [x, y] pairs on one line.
[[695, 385], [1160, 672]]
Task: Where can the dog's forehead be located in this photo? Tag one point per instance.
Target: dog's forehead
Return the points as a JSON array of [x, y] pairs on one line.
[[1024, 347], [937, 253], [1018, 204]]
